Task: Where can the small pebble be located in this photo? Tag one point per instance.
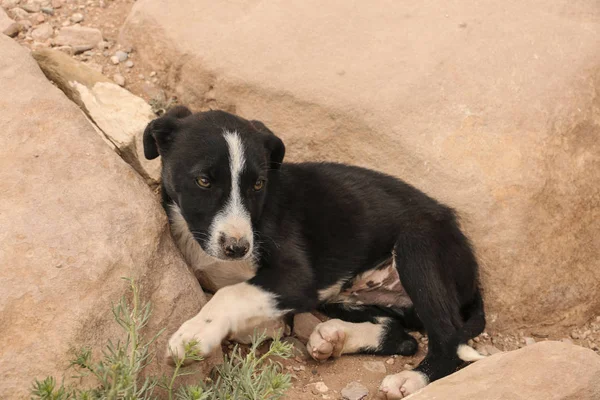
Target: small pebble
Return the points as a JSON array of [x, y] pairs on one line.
[[529, 341], [80, 48], [119, 79], [129, 64], [121, 55], [66, 23], [298, 349], [390, 361], [18, 13], [42, 32], [586, 334], [31, 7], [574, 335], [103, 44], [12, 30], [114, 60], [76, 18], [320, 387], [153, 73], [354, 391], [56, 3], [408, 366]]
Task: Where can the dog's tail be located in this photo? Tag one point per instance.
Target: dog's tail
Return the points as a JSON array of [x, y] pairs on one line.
[[473, 326]]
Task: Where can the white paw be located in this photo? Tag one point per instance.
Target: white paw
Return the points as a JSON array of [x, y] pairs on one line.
[[327, 340], [400, 385], [207, 335]]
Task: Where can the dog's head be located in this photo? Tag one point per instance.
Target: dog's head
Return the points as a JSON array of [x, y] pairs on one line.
[[216, 169]]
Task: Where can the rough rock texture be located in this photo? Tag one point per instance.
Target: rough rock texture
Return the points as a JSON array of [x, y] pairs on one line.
[[120, 115], [75, 219], [543, 371], [5, 20], [491, 107]]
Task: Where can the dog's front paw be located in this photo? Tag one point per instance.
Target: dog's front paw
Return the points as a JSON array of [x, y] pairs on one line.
[[401, 385], [198, 337]]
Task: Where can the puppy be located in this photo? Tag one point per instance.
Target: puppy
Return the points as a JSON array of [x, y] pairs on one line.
[[372, 252]]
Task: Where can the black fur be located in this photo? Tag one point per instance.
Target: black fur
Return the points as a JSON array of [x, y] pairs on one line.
[[319, 223]]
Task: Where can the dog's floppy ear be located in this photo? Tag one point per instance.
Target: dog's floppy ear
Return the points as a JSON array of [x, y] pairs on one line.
[[273, 144], [158, 133]]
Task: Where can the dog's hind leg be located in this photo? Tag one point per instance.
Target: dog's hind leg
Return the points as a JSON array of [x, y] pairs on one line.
[[384, 336], [431, 279]]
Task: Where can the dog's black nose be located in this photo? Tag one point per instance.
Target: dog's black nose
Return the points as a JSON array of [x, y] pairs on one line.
[[235, 248]]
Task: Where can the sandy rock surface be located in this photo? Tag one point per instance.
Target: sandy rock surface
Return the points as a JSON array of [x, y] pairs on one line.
[[491, 107], [75, 219]]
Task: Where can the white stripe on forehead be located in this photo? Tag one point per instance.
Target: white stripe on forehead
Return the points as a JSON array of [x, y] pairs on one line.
[[237, 159], [233, 220]]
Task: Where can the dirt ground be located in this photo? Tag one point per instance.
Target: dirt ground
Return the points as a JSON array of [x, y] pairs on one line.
[[108, 16]]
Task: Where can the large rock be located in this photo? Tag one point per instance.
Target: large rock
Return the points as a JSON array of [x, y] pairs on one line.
[[489, 106], [120, 115], [75, 219], [544, 371]]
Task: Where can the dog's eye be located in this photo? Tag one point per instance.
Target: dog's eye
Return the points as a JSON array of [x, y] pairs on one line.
[[203, 182], [260, 183]]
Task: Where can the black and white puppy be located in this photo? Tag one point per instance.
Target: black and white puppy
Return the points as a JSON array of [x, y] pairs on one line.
[[372, 252]]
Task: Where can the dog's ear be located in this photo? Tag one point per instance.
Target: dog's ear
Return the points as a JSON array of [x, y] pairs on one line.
[[273, 144], [158, 135]]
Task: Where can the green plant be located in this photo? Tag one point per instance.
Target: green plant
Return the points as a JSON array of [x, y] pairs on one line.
[[118, 373]]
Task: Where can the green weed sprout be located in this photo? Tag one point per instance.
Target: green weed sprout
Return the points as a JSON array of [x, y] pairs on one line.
[[118, 373]]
